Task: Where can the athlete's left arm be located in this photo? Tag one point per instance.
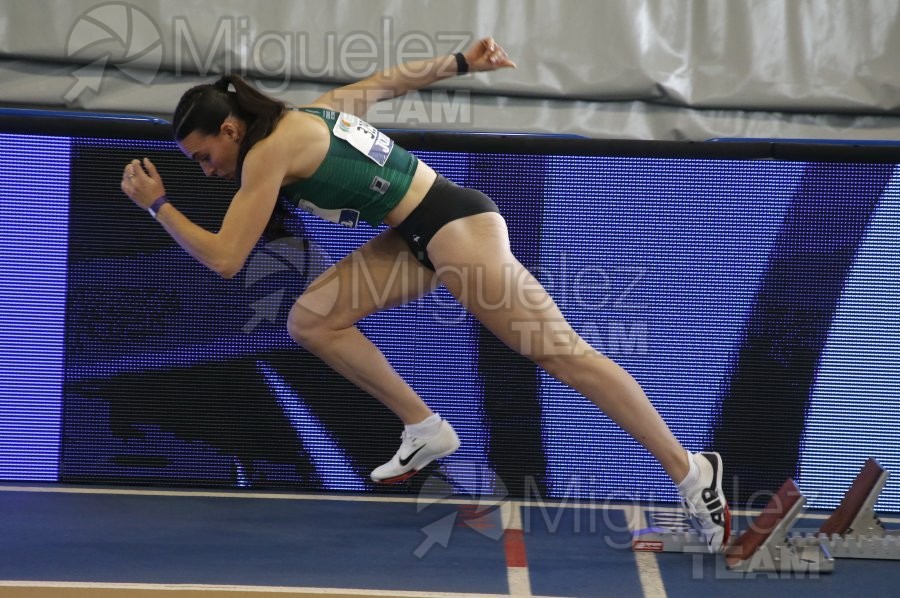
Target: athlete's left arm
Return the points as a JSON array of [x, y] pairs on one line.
[[226, 251], [357, 98]]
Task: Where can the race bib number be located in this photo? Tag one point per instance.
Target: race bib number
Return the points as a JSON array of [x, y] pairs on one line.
[[370, 141], [344, 217]]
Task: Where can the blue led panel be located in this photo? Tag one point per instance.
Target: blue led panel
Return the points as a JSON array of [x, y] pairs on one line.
[[34, 211], [755, 302], [854, 403], [656, 264]]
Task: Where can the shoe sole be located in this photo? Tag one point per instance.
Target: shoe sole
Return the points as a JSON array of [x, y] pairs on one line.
[[405, 476]]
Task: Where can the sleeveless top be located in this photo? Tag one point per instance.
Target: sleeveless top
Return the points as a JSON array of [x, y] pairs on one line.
[[364, 175]]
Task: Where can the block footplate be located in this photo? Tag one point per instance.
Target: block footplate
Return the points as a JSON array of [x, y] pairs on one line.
[[765, 546]]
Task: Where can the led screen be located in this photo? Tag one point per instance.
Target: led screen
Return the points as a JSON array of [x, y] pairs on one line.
[[754, 300]]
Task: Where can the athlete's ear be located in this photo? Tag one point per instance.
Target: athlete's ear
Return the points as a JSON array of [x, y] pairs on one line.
[[230, 129]]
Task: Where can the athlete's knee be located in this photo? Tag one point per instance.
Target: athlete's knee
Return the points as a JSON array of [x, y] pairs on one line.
[[306, 325]]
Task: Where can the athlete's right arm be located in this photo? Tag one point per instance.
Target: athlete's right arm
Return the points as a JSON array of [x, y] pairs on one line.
[[226, 251]]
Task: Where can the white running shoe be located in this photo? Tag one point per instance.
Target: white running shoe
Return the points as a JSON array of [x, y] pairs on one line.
[[705, 502], [415, 453]]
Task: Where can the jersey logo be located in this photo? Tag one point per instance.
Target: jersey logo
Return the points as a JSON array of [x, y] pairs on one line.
[[349, 218], [343, 216], [379, 185]]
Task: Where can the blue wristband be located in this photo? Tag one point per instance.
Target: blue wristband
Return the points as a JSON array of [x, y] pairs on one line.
[[156, 205]]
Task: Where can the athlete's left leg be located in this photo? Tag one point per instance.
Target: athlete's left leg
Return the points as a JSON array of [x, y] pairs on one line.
[[473, 260]]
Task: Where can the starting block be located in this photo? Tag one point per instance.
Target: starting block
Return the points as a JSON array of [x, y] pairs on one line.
[[765, 546], [852, 531]]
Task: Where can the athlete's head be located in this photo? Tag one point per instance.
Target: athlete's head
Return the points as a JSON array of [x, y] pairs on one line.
[[217, 124]]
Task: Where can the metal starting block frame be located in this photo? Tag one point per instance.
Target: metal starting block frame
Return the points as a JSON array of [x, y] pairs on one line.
[[852, 531], [668, 532]]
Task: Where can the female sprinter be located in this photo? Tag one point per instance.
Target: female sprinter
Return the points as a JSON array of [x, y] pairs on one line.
[[326, 160]]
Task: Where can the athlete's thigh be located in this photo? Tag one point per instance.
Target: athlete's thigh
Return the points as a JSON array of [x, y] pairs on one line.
[[474, 261], [380, 274]]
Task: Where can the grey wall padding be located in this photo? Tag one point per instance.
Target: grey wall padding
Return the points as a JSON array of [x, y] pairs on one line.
[[641, 69]]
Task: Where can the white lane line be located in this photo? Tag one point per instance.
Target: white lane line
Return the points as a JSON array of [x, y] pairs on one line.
[[298, 591], [517, 575], [519, 582], [647, 565]]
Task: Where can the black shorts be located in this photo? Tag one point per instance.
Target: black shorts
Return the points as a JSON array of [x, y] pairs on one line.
[[444, 202]]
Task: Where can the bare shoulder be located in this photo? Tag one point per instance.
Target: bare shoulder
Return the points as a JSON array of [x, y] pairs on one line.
[[299, 142], [297, 123], [292, 131]]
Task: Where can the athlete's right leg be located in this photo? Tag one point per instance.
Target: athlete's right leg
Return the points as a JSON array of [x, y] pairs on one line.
[[380, 274]]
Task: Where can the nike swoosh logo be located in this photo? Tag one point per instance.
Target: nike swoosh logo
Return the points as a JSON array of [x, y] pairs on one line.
[[405, 462]]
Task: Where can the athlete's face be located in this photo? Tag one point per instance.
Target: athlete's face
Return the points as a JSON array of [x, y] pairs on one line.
[[216, 154]]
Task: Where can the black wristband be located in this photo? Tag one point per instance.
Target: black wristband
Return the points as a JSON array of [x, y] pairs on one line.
[[462, 66]]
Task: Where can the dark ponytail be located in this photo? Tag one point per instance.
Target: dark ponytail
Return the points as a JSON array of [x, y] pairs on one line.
[[204, 108]]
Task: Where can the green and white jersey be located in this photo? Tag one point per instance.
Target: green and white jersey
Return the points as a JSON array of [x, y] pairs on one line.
[[364, 174]]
